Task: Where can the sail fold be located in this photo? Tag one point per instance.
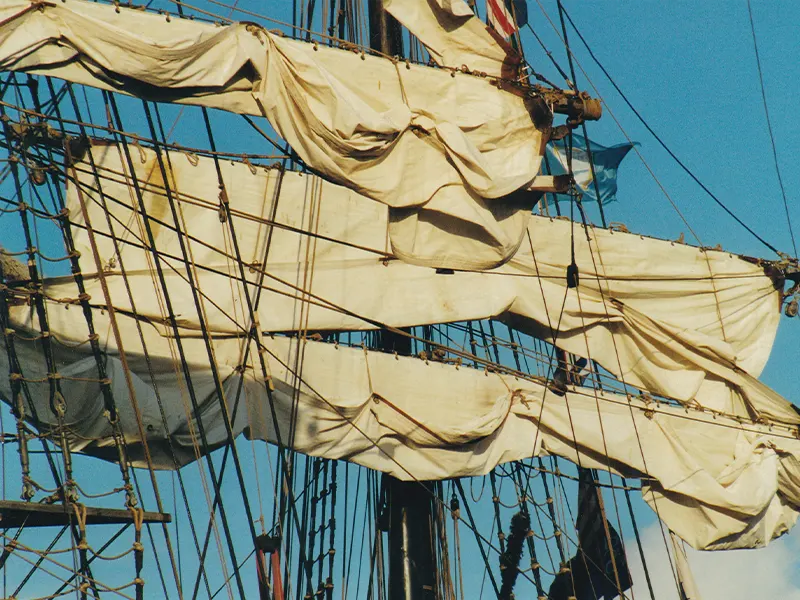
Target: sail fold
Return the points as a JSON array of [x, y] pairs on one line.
[[690, 324], [715, 481], [455, 37], [441, 148], [599, 568]]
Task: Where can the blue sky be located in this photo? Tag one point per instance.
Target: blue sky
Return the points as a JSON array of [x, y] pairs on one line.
[[690, 70]]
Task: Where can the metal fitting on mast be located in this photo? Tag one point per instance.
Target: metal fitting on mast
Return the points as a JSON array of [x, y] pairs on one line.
[[578, 106]]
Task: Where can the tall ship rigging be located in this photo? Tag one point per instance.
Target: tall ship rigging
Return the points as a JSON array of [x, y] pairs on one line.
[[359, 232]]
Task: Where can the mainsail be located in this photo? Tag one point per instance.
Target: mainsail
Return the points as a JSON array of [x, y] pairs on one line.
[[688, 323], [421, 420]]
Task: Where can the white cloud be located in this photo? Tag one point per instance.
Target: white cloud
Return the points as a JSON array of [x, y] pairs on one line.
[[771, 573]]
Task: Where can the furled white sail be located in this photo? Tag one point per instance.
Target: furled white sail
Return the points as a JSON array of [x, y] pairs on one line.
[[691, 324], [455, 37], [442, 148], [715, 476], [716, 481]]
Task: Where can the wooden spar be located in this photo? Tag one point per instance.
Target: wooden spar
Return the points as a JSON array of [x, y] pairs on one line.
[[550, 184], [15, 513]]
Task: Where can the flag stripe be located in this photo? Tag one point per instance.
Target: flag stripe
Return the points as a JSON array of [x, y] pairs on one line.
[[500, 17]]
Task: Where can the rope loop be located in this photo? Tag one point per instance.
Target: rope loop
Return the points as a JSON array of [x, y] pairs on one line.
[[138, 518]]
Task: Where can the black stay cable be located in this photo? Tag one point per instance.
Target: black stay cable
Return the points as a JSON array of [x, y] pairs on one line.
[[663, 145], [769, 127], [474, 529]]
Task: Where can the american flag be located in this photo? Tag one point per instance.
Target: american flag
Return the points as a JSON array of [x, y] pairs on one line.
[[500, 16]]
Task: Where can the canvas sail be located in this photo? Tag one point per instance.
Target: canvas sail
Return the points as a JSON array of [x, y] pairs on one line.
[[441, 148], [686, 584], [416, 419], [454, 36], [717, 460], [690, 324]]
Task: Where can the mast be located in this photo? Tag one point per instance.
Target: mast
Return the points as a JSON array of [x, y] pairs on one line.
[[411, 568], [409, 505], [385, 33]]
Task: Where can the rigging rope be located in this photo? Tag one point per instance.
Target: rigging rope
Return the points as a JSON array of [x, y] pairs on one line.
[[664, 145], [769, 127]]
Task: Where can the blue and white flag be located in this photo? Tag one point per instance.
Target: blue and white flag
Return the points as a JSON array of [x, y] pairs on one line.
[[606, 161]]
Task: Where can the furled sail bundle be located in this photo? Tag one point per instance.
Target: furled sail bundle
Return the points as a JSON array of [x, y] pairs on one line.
[[451, 153], [686, 323], [414, 419]]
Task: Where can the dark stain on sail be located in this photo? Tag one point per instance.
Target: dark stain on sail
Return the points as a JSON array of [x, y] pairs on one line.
[[154, 191]]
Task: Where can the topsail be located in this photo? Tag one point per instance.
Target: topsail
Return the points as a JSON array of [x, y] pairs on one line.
[[437, 146]]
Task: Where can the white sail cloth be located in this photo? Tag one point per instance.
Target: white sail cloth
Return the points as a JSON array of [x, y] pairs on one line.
[[686, 584], [674, 320], [454, 36], [443, 149], [717, 482]]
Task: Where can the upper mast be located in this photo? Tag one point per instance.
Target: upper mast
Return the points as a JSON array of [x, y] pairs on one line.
[[409, 503], [385, 33]]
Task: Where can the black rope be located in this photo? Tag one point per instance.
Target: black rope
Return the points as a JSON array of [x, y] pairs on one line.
[[95, 555], [178, 340], [253, 335], [66, 225], [501, 537], [478, 539], [103, 197], [769, 127], [663, 145], [550, 56], [40, 560], [119, 438]]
